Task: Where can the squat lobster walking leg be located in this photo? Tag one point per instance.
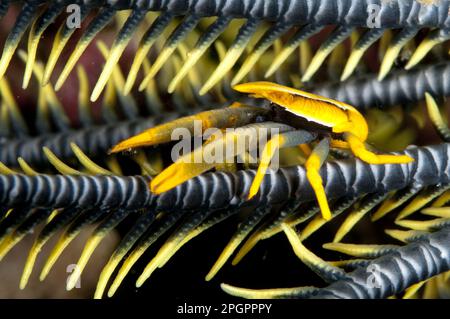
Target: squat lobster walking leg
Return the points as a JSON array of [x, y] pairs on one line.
[[313, 165], [359, 150], [287, 139]]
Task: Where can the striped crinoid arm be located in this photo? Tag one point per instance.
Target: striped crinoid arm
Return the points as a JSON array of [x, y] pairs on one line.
[[401, 87], [272, 32], [95, 141], [343, 178], [77, 162], [429, 253], [56, 113], [395, 271], [193, 207], [97, 136], [51, 116]]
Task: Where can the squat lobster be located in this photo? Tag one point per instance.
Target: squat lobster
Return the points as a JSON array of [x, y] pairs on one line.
[[340, 125]]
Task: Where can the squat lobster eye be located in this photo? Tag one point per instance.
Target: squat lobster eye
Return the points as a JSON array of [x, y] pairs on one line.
[[336, 117]]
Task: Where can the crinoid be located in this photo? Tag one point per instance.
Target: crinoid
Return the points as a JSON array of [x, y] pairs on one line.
[[356, 102]]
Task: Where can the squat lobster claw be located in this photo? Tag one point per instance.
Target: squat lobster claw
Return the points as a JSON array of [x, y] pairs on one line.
[[343, 125]]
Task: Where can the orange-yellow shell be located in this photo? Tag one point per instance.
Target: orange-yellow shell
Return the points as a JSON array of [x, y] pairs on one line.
[[339, 116]]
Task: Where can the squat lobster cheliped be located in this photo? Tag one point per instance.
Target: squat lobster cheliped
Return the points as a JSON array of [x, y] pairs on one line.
[[335, 124]]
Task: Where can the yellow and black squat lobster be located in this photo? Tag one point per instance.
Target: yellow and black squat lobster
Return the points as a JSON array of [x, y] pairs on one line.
[[338, 124]]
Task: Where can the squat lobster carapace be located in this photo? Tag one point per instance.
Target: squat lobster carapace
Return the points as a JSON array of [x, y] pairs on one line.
[[341, 126]]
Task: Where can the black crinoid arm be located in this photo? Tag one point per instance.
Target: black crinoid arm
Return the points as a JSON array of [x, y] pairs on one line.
[[394, 272], [213, 197], [221, 190]]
